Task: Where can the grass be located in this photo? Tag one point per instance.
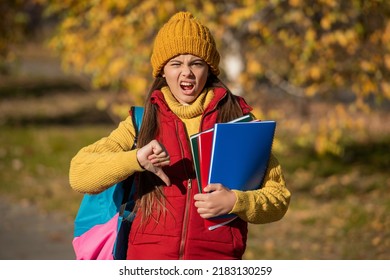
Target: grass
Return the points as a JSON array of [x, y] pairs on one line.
[[35, 162]]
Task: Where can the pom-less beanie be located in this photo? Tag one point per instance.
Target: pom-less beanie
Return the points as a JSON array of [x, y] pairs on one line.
[[184, 34]]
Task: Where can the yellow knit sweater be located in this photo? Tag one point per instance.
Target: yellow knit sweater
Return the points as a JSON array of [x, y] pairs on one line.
[[110, 160]]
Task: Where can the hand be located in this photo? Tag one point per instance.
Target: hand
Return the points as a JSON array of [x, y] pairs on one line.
[[216, 200], [153, 157]]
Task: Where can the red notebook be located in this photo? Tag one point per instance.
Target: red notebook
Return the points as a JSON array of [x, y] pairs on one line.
[[205, 143]]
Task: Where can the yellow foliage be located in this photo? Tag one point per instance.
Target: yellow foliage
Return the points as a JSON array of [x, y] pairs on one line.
[[386, 89], [258, 113], [255, 26], [367, 85], [136, 83], [295, 16], [101, 104], [326, 23], [253, 66], [304, 138], [320, 47], [331, 129], [361, 105], [120, 110], [329, 3], [341, 38], [386, 34], [327, 137], [338, 80], [315, 72], [310, 35], [238, 15], [367, 66], [387, 61], [69, 23], [116, 67], [209, 8], [375, 37], [311, 90], [295, 3]]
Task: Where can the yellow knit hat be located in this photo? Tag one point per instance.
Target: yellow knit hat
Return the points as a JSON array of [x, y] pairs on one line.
[[183, 34]]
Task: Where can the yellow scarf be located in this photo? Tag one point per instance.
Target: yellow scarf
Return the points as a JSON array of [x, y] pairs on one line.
[[190, 114]]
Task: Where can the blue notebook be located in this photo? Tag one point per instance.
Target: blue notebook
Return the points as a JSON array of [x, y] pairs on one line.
[[240, 156], [201, 145], [241, 152]]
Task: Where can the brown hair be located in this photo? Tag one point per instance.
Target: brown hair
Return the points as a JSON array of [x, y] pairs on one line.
[[149, 193]]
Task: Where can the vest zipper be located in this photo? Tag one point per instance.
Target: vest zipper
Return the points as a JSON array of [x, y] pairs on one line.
[[185, 220], [183, 237]]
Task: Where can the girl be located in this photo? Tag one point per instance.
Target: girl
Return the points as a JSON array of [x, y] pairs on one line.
[[185, 98]]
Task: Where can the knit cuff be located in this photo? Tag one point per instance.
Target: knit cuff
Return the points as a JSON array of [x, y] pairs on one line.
[[239, 206], [134, 163]]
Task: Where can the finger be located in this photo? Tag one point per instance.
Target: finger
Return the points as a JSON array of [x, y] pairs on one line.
[[160, 173], [162, 164], [209, 188], [213, 187], [204, 214], [159, 163], [199, 204], [159, 149], [162, 156], [160, 160], [200, 197], [206, 189], [201, 210], [197, 197]]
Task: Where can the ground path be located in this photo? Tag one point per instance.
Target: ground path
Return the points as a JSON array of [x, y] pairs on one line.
[[28, 234]]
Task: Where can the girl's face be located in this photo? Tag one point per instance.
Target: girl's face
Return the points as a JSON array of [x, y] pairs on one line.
[[186, 76]]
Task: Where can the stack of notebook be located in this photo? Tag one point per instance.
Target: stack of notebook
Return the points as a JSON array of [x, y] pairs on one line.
[[234, 154]]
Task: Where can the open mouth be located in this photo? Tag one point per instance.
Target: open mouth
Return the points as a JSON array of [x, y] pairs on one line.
[[186, 86]]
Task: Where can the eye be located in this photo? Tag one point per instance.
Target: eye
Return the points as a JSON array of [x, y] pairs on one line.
[[198, 63], [174, 63]]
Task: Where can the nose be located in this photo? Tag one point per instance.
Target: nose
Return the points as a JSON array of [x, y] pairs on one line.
[[186, 70]]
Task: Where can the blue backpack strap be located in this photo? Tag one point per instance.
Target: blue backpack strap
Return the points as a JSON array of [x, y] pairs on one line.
[[137, 114], [126, 215]]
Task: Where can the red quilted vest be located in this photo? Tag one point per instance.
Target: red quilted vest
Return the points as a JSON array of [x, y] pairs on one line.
[[181, 233]]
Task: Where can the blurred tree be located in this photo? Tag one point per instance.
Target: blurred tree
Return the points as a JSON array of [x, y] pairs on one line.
[[12, 26], [20, 20], [311, 49]]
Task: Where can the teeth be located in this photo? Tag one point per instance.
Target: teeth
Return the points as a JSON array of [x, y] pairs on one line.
[[185, 84]]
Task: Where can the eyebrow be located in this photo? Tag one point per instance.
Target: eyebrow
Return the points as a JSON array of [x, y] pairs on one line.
[[198, 60], [192, 61], [175, 60]]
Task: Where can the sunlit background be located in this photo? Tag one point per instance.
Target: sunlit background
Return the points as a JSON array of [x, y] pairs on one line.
[[69, 71]]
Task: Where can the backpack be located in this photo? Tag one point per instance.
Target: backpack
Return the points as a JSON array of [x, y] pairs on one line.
[[103, 221]]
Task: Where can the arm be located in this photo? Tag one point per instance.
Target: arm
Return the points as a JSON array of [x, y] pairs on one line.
[[105, 162]]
